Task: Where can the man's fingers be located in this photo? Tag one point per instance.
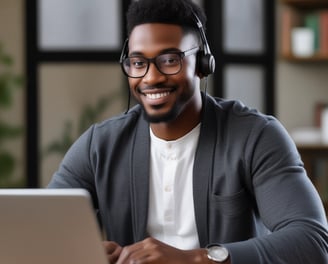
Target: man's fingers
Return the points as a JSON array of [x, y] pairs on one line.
[[113, 250]]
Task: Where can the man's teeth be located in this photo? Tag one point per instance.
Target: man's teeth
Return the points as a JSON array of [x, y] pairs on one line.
[[156, 95]]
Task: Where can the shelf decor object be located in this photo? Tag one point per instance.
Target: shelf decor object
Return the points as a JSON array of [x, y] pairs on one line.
[[304, 16]]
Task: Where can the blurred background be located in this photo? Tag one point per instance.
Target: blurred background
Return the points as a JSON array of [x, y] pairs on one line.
[[59, 73]]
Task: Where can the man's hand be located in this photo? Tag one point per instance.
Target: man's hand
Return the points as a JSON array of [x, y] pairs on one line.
[[151, 250], [113, 251]]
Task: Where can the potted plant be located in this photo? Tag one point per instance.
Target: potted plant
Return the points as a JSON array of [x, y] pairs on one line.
[[9, 82]]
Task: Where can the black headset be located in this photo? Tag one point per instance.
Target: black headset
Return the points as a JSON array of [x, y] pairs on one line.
[[205, 59]]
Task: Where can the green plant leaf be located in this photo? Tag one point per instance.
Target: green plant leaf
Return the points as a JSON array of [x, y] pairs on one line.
[[18, 81], [5, 92], [9, 131], [7, 60], [63, 144], [86, 118], [7, 165], [90, 114], [9, 81]]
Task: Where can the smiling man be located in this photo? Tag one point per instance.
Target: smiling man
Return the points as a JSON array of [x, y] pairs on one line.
[[183, 177], [166, 85]]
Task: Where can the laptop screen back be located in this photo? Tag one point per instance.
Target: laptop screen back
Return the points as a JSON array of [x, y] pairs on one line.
[[52, 226]]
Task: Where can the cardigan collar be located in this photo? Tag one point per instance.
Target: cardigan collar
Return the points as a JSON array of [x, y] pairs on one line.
[[202, 173]]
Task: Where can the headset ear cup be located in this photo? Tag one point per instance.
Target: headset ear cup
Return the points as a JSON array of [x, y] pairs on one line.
[[206, 63]]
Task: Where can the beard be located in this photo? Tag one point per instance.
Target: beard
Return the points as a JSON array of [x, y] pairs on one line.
[[167, 117]]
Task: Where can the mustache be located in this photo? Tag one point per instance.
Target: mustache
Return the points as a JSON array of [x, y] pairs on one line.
[[149, 88]]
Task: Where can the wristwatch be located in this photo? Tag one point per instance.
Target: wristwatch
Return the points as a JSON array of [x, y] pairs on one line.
[[217, 253]]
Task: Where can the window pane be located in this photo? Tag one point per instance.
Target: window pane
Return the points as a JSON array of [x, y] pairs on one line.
[[79, 24], [245, 83], [72, 97], [243, 26]]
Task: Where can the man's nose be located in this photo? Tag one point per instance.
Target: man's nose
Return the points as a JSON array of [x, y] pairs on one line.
[[153, 75]]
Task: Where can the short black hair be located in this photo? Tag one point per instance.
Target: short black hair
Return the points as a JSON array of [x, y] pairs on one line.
[[177, 12]]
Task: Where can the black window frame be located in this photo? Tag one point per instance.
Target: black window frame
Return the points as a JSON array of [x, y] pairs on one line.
[[214, 12], [35, 57]]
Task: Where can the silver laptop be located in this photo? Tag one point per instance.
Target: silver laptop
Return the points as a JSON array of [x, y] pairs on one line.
[[51, 226]]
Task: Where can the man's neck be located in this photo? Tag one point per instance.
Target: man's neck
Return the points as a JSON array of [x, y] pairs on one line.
[[177, 128]]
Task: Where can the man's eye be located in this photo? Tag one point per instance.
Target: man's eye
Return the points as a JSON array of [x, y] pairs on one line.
[[169, 59], [138, 62]]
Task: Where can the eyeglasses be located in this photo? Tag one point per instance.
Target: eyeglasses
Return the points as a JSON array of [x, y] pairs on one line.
[[167, 63]]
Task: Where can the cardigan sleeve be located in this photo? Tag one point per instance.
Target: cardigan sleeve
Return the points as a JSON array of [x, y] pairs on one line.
[[288, 204], [76, 169]]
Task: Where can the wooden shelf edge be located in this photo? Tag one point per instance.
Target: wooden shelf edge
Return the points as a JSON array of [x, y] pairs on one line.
[[306, 3], [315, 58], [312, 147]]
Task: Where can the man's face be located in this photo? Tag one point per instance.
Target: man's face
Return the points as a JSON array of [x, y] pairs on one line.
[[164, 97]]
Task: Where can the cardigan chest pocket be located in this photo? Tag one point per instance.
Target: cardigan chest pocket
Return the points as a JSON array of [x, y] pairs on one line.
[[231, 205], [231, 218]]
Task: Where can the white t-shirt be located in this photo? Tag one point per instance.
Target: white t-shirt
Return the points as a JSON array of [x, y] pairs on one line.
[[171, 217]]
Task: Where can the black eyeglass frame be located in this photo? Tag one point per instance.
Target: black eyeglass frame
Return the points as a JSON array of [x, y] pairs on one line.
[[182, 55]]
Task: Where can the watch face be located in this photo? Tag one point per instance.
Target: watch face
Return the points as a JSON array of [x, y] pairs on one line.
[[217, 253]]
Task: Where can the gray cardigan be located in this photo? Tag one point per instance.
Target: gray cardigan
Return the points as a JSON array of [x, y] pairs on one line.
[[251, 191]]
